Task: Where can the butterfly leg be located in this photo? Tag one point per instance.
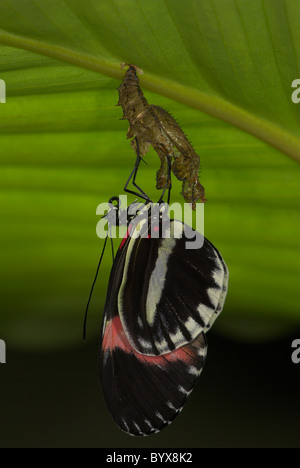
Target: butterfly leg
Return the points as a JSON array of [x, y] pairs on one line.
[[169, 178], [133, 175], [168, 182]]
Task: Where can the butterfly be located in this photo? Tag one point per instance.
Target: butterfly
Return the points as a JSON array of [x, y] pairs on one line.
[[161, 301]]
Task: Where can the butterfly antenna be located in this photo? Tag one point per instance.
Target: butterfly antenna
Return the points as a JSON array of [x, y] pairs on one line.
[[92, 289]]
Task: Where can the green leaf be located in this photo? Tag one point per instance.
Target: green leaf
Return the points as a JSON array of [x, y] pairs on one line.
[[63, 149]]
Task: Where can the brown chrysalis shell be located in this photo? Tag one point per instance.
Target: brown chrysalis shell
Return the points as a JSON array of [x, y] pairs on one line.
[[154, 126]]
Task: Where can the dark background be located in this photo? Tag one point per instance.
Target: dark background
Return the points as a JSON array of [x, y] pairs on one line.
[[63, 150], [247, 396]]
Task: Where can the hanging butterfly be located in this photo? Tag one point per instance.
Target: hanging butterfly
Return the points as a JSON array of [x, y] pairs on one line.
[[162, 299]]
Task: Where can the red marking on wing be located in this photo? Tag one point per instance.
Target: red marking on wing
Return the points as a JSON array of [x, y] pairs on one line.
[[155, 229], [128, 234], [115, 337]]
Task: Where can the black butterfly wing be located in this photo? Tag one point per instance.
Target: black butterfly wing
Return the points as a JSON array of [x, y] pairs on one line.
[[143, 393], [170, 294]]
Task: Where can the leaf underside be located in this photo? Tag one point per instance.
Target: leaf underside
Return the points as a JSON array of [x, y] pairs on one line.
[[224, 70]]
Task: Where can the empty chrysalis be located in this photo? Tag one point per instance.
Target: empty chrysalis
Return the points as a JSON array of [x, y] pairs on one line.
[[152, 125]]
